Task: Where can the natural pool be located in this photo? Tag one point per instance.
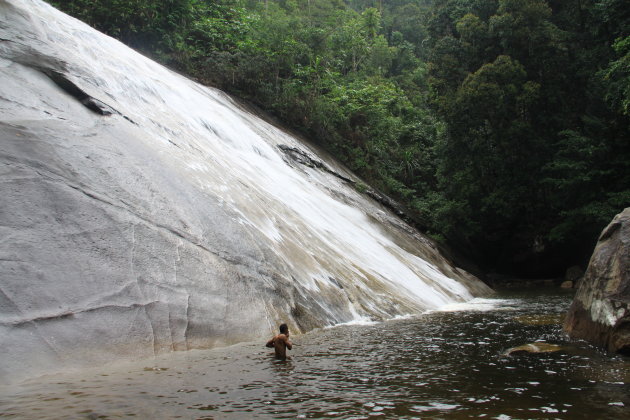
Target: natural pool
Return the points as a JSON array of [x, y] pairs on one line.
[[446, 364]]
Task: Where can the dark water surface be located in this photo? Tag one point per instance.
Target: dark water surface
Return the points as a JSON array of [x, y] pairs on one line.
[[448, 364]]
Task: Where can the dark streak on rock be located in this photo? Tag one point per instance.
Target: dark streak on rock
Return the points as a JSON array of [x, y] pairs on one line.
[[71, 314], [296, 155], [68, 86], [299, 156], [91, 103]]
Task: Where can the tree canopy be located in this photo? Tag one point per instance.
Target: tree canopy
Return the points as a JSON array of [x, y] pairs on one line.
[[501, 125]]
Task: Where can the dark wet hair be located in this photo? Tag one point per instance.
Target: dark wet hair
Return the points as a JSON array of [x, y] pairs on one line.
[[284, 329]]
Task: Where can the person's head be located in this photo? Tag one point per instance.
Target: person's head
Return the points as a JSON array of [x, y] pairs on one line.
[[284, 329]]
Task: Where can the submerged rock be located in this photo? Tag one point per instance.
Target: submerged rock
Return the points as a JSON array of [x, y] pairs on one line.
[[600, 312], [143, 213], [534, 348], [546, 319]]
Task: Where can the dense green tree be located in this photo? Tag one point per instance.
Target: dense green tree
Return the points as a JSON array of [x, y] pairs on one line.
[[542, 136], [489, 147], [409, 21], [149, 25], [371, 19], [617, 76]]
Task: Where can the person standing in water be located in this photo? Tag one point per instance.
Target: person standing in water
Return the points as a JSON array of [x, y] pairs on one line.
[[281, 343]]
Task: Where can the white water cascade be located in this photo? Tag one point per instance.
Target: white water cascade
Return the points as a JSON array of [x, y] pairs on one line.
[[142, 213]]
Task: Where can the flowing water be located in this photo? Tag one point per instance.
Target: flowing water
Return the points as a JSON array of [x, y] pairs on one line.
[[443, 364]]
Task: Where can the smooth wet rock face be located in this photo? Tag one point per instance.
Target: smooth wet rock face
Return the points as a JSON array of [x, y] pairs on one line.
[[600, 312], [142, 213]]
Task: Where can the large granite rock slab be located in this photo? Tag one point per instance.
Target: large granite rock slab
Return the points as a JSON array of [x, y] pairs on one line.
[[600, 312], [143, 213]]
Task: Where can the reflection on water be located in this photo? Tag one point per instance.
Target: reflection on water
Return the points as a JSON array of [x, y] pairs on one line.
[[446, 364]]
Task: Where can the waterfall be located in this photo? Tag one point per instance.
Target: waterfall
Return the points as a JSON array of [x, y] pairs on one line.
[[143, 213]]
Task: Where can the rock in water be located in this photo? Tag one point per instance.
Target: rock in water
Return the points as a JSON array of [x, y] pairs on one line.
[[534, 348], [143, 213], [600, 312]]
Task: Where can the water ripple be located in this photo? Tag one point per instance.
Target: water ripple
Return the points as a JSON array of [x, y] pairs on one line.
[[442, 364]]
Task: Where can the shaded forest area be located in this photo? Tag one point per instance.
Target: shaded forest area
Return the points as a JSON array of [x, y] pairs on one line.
[[502, 126]]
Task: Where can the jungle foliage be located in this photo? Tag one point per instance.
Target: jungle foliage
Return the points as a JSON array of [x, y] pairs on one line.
[[501, 125]]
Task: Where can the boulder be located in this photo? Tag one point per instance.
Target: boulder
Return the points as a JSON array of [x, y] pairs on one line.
[[600, 312]]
